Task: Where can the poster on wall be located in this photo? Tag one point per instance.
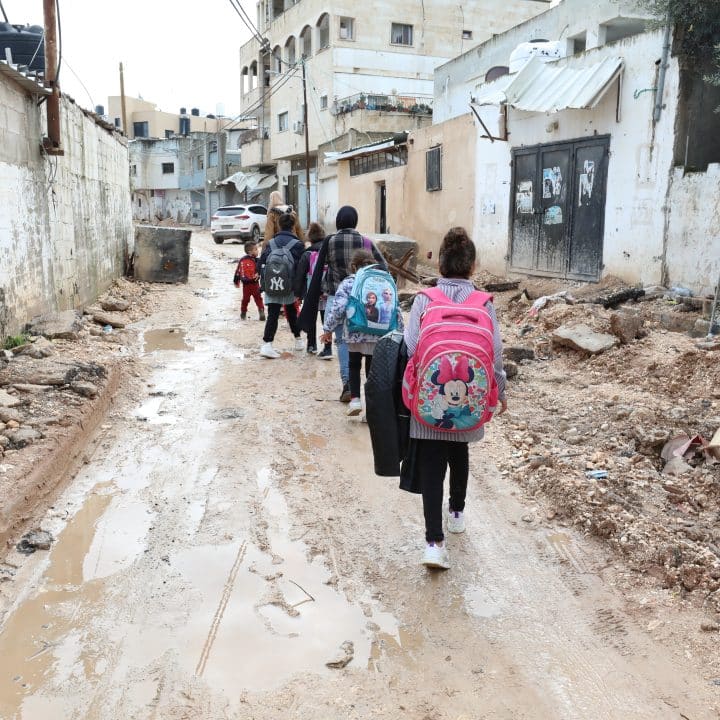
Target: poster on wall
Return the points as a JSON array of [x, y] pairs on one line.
[[552, 182], [587, 178], [524, 198], [553, 215]]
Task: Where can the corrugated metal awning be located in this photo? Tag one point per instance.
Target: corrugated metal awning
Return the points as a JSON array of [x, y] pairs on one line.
[[551, 87], [253, 181], [365, 150]]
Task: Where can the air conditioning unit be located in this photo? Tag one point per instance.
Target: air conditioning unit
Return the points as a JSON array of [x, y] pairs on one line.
[[299, 127]]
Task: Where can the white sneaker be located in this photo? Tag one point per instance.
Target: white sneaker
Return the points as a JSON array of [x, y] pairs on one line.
[[355, 407], [299, 344], [456, 522], [436, 557], [268, 351]]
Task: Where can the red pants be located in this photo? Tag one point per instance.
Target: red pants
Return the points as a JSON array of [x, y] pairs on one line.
[[251, 290]]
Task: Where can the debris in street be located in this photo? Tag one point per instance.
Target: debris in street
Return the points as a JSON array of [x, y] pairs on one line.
[[35, 540], [7, 400], [581, 337], [541, 302], [344, 657], [493, 287], [627, 325], [64, 325], [613, 299]]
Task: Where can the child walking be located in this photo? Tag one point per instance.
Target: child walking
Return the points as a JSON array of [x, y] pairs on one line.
[[306, 267], [360, 345], [450, 395], [246, 274]]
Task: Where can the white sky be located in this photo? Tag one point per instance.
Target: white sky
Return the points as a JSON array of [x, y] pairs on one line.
[[175, 53]]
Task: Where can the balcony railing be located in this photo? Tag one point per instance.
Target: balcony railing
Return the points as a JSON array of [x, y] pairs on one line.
[[416, 105], [248, 136]]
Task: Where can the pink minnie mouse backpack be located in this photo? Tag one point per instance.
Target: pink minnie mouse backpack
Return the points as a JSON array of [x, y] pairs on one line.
[[449, 383]]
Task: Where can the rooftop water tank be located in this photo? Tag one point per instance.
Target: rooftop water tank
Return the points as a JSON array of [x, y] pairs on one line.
[[195, 112], [26, 45], [183, 111], [545, 50]]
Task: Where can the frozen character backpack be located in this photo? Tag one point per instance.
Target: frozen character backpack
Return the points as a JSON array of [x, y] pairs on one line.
[[311, 269], [363, 309], [279, 271], [449, 383]]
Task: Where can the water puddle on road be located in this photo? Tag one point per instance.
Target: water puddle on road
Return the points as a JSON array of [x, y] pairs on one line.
[[164, 339], [268, 595]]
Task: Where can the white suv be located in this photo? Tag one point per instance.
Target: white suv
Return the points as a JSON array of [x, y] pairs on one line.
[[238, 221]]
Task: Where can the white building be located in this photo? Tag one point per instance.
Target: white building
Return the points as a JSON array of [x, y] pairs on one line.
[[601, 162]]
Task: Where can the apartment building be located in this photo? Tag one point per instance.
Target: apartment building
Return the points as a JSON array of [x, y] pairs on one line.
[[144, 120], [368, 74]]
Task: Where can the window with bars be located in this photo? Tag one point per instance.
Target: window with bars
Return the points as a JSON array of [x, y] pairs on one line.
[[168, 168], [323, 102], [401, 34], [433, 169], [283, 121], [393, 157]]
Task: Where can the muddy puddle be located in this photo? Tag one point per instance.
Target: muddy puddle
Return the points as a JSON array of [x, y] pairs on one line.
[[164, 339]]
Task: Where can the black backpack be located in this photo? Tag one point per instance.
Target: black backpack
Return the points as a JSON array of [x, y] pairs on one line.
[[279, 271]]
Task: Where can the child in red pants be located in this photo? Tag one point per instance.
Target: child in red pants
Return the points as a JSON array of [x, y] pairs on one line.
[[246, 273]]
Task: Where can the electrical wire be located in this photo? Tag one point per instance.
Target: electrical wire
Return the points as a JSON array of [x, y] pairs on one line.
[[60, 42], [2, 9], [77, 77], [247, 21], [42, 37]]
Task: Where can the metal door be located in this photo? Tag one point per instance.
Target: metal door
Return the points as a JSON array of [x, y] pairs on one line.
[[382, 199], [559, 207]]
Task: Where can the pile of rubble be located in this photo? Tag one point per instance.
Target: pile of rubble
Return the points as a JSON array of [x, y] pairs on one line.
[[51, 378], [614, 424]]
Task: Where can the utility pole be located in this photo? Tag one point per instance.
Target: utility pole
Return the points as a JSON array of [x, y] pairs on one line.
[[51, 143], [307, 143], [122, 101]]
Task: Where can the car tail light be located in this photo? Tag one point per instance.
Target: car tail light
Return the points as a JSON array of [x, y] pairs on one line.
[[215, 217], [242, 217]]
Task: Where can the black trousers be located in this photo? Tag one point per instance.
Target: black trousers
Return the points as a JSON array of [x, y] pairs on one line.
[[273, 315], [433, 458], [354, 369], [312, 333]]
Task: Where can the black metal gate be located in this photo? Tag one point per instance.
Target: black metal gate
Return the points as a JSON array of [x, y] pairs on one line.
[[558, 208]]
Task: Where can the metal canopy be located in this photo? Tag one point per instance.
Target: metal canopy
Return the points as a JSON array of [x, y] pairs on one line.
[[551, 87], [253, 181]]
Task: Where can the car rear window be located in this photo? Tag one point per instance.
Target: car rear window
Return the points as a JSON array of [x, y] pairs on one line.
[[224, 212]]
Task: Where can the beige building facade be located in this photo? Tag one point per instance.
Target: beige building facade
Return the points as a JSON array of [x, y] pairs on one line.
[[400, 200]]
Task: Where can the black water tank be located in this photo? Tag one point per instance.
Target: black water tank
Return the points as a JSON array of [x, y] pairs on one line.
[[26, 44], [195, 112], [183, 111]]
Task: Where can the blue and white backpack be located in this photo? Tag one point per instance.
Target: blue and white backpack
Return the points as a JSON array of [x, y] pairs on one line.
[[372, 307]]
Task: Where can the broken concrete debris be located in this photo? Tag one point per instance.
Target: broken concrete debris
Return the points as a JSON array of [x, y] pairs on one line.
[[35, 540], [583, 338], [345, 655], [64, 325]]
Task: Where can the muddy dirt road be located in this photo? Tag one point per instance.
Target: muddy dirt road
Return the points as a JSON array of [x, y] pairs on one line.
[[227, 539]]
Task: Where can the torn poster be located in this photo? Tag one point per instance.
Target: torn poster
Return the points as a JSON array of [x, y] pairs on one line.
[[524, 197], [587, 177], [553, 215]]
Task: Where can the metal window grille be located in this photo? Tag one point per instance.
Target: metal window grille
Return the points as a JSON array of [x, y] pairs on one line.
[[168, 168], [433, 169]]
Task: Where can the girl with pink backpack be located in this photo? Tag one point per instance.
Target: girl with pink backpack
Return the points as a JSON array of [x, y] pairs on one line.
[[453, 384]]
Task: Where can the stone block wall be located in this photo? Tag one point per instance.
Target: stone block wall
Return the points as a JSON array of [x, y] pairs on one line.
[[65, 221]]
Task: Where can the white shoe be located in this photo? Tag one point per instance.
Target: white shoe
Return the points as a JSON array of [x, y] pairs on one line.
[[299, 344], [436, 557], [355, 407], [268, 351], [456, 522]]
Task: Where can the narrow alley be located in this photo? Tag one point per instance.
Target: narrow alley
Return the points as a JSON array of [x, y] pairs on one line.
[[227, 552]]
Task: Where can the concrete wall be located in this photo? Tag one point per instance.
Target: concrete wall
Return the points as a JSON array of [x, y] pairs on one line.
[[65, 222], [693, 235]]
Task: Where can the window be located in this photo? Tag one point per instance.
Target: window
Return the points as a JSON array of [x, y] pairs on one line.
[[283, 120], [394, 157], [258, 210], [323, 26], [290, 51], [306, 42], [433, 169], [140, 129], [401, 34], [168, 168], [323, 102], [277, 59], [199, 162], [467, 35], [133, 170], [347, 28], [168, 134]]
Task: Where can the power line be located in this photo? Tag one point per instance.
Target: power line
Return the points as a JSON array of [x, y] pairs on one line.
[[2, 9], [248, 22]]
